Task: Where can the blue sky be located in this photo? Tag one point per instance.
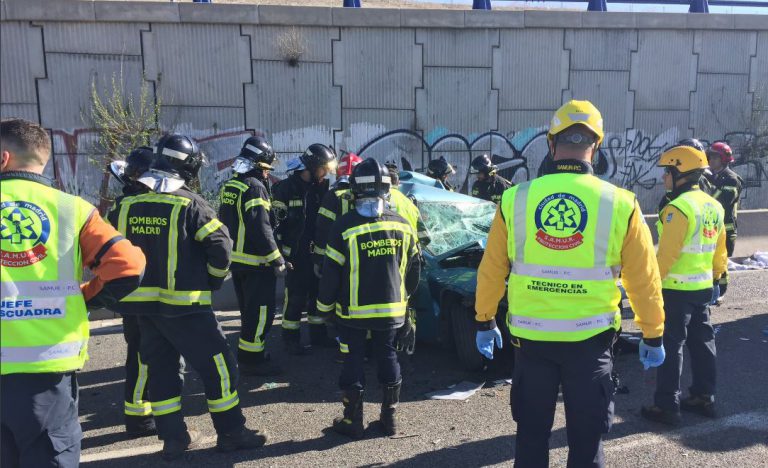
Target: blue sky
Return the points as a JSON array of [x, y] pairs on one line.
[[612, 6]]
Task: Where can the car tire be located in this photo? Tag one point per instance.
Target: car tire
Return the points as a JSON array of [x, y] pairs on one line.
[[464, 331]]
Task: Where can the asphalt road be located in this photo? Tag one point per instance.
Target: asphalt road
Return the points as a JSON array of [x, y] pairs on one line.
[[297, 407]]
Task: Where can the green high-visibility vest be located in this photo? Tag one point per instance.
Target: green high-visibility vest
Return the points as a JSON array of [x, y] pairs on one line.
[[565, 235], [44, 318], [693, 269], [403, 206]]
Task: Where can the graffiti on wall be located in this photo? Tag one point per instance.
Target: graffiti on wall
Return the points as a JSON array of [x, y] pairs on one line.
[[627, 160]]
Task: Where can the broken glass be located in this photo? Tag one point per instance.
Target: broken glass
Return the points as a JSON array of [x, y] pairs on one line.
[[452, 225]]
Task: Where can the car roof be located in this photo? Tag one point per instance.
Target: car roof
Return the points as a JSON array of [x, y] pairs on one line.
[[428, 193]]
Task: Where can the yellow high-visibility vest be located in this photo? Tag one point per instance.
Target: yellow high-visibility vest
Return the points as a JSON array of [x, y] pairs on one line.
[[44, 318], [565, 235], [693, 269]]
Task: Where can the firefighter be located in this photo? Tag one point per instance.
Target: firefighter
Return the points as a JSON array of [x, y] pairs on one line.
[[346, 163], [371, 267], [691, 255], [136, 407], [440, 169], [188, 252], [296, 203], [47, 237], [489, 185], [727, 186], [562, 240], [245, 209]]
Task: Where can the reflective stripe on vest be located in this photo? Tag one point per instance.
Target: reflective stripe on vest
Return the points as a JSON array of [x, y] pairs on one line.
[[44, 318], [692, 271], [565, 233]]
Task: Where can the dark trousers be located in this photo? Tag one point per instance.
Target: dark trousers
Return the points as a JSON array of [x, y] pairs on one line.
[[383, 342], [730, 244], [255, 290], [136, 407], [197, 337], [300, 296], [39, 426], [687, 323], [583, 369]]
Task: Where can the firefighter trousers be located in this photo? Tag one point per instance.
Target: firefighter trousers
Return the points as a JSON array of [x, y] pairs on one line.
[[199, 339], [686, 323], [136, 407], [383, 344], [39, 425], [255, 290], [300, 296], [583, 369]]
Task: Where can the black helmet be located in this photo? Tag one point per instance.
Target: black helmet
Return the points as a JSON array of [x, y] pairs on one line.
[[692, 142], [483, 165], [258, 150], [318, 155], [138, 162], [178, 154], [370, 180], [439, 168]]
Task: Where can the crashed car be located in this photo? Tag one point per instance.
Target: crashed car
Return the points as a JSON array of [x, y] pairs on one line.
[[457, 226]]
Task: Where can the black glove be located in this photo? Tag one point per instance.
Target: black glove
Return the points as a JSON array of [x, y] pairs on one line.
[[405, 338]]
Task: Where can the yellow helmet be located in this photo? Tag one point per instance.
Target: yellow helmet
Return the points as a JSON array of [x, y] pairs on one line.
[[684, 159], [577, 113]]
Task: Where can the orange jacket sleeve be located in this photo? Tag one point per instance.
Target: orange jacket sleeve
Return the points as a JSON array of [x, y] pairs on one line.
[[720, 260], [492, 273], [117, 264], [640, 277]]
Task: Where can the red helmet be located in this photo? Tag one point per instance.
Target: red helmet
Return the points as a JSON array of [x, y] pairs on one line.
[[721, 149], [347, 163]]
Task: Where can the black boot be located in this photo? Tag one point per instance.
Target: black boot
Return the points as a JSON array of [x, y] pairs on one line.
[[257, 364], [140, 426], [242, 439], [318, 335], [292, 341], [175, 448], [388, 406], [700, 404], [351, 424]]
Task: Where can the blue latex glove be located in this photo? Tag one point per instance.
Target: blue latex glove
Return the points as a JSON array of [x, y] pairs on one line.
[[715, 293], [651, 356], [485, 339]]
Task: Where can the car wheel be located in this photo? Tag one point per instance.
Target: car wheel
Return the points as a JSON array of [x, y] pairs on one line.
[[464, 331]]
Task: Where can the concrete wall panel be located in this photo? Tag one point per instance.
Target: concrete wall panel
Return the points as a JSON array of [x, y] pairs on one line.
[[456, 100], [23, 111], [661, 70], [758, 77], [720, 104], [600, 49], [188, 119], [655, 122], [458, 47], [724, 51], [94, 38], [300, 106], [608, 91], [266, 40], [530, 70], [377, 68], [65, 96], [361, 126], [197, 65], [21, 61], [514, 121]]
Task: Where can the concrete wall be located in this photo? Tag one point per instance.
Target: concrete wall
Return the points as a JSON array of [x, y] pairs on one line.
[[413, 84]]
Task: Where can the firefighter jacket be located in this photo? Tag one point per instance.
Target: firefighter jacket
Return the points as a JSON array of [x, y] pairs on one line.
[[726, 188], [371, 267], [187, 249], [245, 209], [562, 240], [295, 205], [46, 238], [337, 203], [491, 188]]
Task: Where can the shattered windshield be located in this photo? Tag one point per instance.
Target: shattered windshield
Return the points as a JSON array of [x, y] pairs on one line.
[[451, 225]]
